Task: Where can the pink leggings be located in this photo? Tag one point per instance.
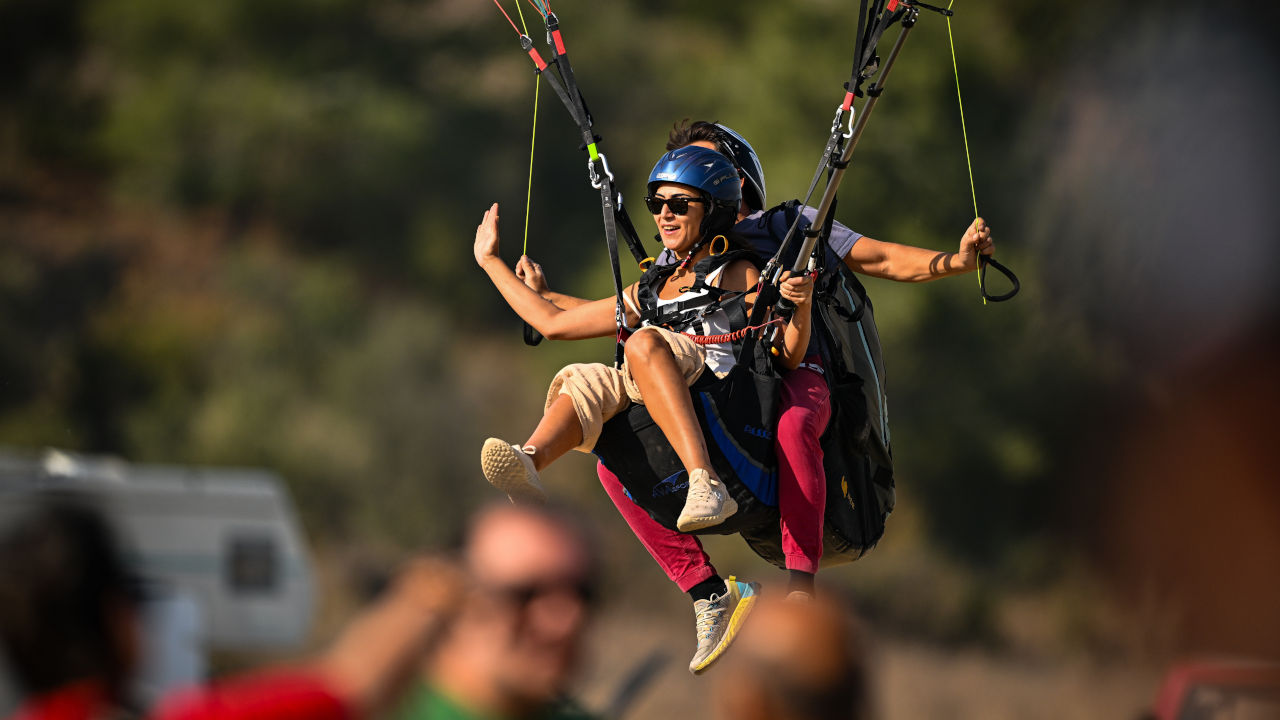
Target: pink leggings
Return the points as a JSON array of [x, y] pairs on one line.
[[805, 409]]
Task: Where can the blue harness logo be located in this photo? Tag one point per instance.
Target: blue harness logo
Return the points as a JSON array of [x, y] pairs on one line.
[[668, 486], [758, 432]]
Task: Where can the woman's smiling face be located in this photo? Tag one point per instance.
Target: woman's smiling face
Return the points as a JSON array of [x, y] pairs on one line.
[[679, 232]]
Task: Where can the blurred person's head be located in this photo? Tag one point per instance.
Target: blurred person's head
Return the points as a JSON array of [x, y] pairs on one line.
[[793, 661], [514, 646], [68, 605]]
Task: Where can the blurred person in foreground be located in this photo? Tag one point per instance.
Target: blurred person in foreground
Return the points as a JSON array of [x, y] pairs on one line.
[[70, 628], [795, 661], [512, 650]]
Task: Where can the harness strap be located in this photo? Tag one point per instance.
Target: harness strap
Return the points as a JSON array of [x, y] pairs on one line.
[[685, 316], [656, 275], [714, 299]]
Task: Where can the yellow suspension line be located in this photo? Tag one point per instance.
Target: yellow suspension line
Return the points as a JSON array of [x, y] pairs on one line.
[[537, 89], [528, 197], [965, 131]]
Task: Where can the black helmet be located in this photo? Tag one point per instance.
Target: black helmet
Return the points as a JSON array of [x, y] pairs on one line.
[[744, 156]]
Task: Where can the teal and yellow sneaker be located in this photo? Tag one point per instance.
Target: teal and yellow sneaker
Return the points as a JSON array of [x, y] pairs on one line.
[[719, 621]]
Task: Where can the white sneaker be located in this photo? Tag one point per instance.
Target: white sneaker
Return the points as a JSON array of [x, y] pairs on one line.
[[508, 468], [719, 620], [708, 503]]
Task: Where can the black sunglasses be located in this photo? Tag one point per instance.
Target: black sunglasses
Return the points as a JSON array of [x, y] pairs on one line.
[[678, 205], [522, 595]]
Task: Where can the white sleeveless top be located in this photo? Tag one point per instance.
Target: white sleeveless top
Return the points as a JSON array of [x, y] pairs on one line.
[[720, 355]]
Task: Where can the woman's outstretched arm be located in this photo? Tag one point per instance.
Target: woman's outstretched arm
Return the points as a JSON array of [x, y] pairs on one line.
[[594, 319]]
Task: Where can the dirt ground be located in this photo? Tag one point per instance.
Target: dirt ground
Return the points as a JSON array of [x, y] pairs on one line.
[[911, 681]]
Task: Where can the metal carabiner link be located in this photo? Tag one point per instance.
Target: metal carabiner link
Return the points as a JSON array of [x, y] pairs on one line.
[[835, 124], [595, 177]]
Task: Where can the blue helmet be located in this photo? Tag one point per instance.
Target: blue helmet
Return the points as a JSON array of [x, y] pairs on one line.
[[702, 168], [708, 171], [744, 156]]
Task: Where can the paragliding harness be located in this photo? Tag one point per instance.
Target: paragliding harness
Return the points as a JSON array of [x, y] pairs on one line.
[[736, 412]]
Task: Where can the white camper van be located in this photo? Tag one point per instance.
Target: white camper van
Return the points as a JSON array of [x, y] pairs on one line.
[[221, 551]]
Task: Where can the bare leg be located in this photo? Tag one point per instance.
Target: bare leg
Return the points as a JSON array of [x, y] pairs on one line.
[[666, 395], [557, 433]]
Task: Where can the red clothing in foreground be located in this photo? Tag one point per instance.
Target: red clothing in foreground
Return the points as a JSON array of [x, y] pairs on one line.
[[804, 410], [279, 695]]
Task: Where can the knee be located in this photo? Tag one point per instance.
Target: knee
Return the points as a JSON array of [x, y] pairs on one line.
[[644, 347], [797, 424], [567, 376]]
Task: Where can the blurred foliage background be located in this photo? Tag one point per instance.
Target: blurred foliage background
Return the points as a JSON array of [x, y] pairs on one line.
[[238, 232]]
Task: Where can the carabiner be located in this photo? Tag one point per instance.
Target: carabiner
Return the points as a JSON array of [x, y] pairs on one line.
[[605, 162], [835, 125], [591, 173], [595, 177]]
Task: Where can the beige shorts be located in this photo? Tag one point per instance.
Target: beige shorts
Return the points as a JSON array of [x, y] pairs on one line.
[[599, 392]]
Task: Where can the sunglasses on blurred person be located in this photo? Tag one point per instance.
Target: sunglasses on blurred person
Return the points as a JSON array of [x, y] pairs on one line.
[[523, 595]]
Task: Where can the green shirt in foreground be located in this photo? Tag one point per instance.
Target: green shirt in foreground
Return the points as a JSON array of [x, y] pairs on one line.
[[427, 703]]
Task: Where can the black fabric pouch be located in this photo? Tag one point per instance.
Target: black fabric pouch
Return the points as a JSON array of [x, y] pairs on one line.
[[738, 414]]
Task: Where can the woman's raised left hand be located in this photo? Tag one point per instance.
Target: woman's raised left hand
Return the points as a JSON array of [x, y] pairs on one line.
[[486, 247]]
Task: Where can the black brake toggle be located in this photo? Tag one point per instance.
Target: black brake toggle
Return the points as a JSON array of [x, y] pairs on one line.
[[983, 262]]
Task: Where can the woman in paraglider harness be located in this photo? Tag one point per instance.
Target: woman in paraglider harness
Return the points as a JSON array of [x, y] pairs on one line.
[[694, 319]]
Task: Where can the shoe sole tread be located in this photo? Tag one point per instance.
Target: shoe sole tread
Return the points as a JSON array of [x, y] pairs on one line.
[[503, 469]]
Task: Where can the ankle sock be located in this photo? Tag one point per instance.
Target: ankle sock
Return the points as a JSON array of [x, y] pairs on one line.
[[801, 581], [713, 585]]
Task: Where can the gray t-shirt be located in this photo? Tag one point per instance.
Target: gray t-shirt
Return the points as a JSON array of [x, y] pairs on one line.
[[754, 229], [757, 232]]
